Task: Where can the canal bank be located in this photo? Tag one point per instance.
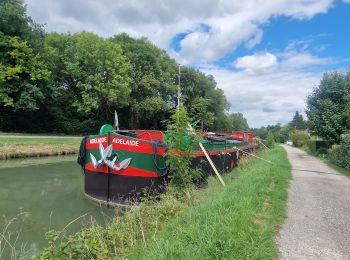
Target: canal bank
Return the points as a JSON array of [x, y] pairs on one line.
[[15, 146], [39, 194], [237, 221]]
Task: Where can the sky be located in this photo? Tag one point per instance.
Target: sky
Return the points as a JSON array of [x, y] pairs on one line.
[[267, 55]]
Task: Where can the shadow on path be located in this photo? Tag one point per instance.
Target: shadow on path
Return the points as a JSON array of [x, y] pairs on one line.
[[303, 170]]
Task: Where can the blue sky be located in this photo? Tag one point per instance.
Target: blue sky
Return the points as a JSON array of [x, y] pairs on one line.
[[266, 55], [326, 34]]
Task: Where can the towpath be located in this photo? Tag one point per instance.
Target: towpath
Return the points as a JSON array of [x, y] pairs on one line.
[[318, 222]]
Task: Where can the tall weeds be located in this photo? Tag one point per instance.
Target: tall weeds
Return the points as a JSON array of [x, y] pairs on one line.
[[10, 232], [182, 143]]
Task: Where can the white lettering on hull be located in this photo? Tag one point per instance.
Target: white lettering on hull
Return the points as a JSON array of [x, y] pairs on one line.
[[96, 140], [125, 141]]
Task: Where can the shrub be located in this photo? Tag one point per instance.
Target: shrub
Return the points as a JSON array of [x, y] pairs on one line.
[[318, 146], [299, 138], [270, 140], [340, 154], [183, 175]]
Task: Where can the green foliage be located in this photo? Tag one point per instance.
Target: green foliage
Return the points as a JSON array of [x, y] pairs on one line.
[[317, 147], [340, 154], [16, 23], [235, 222], [179, 137], [72, 83], [328, 107], [278, 131], [298, 122], [94, 69], [270, 140], [193, 217], [299, 138], [200, 92], [238, 122], [153, 89], [199, 111], [137, 227], [282, 134], [23, 74]]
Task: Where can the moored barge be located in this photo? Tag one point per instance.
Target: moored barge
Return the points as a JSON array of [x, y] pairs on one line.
[[121, 166]]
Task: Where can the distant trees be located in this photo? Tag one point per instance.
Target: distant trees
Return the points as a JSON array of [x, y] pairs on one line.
[[298, 122], [72, 83], [328, 106], [238, 122]]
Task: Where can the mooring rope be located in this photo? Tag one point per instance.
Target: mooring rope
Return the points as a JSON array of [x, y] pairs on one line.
[[254, 156]]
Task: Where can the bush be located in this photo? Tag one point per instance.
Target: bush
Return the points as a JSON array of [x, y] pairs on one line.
[[270, 140], [340, 154], [318, 146], [183, 175], [299, 138]]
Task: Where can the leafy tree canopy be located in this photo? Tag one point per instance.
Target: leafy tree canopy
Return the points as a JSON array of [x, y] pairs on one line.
[[23, 74], [328, 106]]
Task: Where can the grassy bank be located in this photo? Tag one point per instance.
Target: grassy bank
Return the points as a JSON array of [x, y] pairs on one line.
[[235, 222], [19, 147]]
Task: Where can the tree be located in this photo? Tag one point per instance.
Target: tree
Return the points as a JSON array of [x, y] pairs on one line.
[[298, 121], [238, 122], [328, 106], [199, 111], [153, 77], [91, 74], [16, 23], [196, 86], [23, 74]]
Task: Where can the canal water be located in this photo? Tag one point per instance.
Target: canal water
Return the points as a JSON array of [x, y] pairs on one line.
[[37, 195]]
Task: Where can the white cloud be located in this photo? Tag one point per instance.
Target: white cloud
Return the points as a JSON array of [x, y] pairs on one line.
[[231, 22], [268, 98], [258, 63], [304, 60], [267, 87], [297, 56], [256, 39]]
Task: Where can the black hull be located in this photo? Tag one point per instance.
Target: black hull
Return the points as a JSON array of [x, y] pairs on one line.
[[113, 189]]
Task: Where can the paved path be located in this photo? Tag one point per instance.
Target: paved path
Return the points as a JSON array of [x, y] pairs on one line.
[[318, 222]]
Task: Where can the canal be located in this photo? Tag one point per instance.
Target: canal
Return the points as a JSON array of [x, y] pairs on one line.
[[40, 194]]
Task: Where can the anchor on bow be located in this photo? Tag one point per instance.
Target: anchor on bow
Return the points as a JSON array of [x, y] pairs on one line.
[[105, 154]]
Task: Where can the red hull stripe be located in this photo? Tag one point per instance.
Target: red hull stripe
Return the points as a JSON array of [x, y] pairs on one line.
[[124, 144], [199, 153], [129, 171]]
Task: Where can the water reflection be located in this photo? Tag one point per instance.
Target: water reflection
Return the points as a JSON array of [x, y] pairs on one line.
[[41, 194]]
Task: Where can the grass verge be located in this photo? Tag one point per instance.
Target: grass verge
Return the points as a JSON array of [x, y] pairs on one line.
[[18, 147], [236, 222]]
